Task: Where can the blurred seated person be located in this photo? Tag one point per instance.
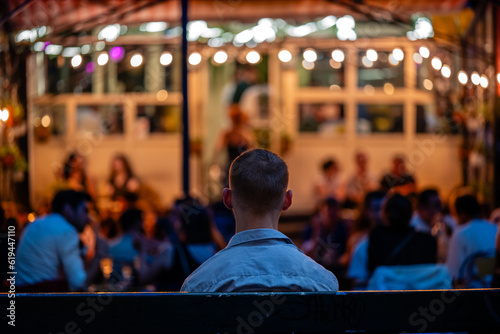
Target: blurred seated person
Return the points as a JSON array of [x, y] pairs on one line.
[[361, 181], [224, 220], [399, 179], [122, 181], [397, 243], [370, 218], [259, 257], [197, 240], [122, 248], [430, 218], [48, 256], [75, 176], [330, 183], [326, 238], [471, 237]]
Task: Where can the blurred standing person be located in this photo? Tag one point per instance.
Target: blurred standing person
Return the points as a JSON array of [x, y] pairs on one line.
[[236, 140], [122, 180], [361, 181], [329, 183], [399, 178]]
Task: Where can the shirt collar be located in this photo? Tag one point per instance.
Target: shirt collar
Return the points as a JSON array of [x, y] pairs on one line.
[[257, 234]]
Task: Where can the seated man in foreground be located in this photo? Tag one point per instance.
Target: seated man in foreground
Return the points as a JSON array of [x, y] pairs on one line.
[[259, 257]]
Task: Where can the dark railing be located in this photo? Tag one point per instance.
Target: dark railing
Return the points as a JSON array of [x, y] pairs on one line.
[[352, 312]]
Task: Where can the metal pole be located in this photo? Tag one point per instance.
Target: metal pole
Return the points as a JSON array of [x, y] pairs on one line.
[[185, 118]]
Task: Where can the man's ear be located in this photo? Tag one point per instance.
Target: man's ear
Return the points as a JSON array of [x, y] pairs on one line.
[[227, 198], [288, 200]]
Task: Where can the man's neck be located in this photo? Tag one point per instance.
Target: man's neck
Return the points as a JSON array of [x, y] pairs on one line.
[[245, 221]]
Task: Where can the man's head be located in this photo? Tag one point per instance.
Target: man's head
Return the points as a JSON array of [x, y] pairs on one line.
[[361, 160], [397, 212], [258, 181], [72, 205], [429, 204], [467, 207]]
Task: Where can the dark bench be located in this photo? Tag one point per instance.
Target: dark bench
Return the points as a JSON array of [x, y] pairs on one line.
[[410, 311]]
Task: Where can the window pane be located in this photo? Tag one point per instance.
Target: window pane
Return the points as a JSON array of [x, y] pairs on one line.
[[325, 71], [157, 119], [325, 118], [433, 120], [103, 119], [385, 69], [49, 120], [380, 118]]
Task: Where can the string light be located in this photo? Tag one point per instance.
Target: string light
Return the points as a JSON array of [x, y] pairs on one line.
[[372, 55], [220, 57], [194, 58], [166, 58], [285, 56], [475, 78], [446, 71], [428, 84], [424, 52], [483, 81], [136, 60], [253, 57], [307, 65], [436, 63], [417, 57], [338, 55], [310, 55], [76, 61], [102, 59], [462, 78], [398, 54]]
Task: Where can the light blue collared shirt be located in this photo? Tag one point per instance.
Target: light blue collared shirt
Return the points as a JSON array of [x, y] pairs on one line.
[[260, 260]]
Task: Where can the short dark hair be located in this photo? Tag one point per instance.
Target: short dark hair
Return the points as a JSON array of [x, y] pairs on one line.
[[468, 206], [425, 197], [259, 180], [195, 221], [130, 218], [371, 196], [72, 197], [328, 164], [398, 211]]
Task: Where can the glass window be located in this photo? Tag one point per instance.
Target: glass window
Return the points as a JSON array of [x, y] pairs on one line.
[[324, 72], [104, 119], [382, 69], [380, 118], [63, 77], [157, 119], [438, 118], [324, 118], [49, 120]]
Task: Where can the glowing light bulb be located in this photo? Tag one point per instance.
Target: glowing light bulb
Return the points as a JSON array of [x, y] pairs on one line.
[[424, 52], [446, 71], [462, 77], [310, 55], [220, 57], [102, 59], [338, 55], [285, 56], [475, 78], [166, 58], [253, 57], [398, 54], [483, 81], [372, 55], [76, 61], [136, 60], [194, 58], [436, 63]]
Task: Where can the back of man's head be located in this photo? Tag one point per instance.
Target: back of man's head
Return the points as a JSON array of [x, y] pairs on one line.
[[425, 197], [259, 181], [131, 220], [468, 207], [70, 197], [397, 212]]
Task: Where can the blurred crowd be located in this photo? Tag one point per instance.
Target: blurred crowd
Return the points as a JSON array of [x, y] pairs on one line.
[[375, 232]]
